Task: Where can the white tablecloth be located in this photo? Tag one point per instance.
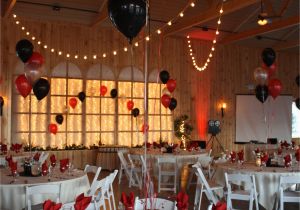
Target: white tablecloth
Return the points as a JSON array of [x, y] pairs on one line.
[[12, 196], [267, 179]]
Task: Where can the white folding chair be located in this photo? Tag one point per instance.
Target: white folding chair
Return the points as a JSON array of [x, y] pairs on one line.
[[167, 167], [45, 189], [155, 203], [124, 166], [108, 191], [206, 187], [136, 167], [205, 163], [97, 193], [43, 157], [96, 171], [245, 195], [288, 195]]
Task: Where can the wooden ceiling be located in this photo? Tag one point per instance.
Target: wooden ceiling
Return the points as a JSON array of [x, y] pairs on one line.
[[239, 22]]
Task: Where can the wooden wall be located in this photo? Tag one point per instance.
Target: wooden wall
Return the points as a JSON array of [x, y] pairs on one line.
[[198, 93]]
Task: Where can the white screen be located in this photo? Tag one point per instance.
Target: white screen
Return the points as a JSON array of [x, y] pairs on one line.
[[260, 121]]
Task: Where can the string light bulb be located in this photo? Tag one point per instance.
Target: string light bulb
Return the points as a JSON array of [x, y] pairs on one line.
[[23, 28], [181, 14], [52, 50], [39, 42], [17, 22], [76, 56], [104, 55], [192, 4], [68, 55], [125, 49], [14, 16], [115, 52], [170, 23], [94, 56], [147, 38], [85, 57], [45, 46], [136, 44], [60, 53], [33, 38], [158, 31]]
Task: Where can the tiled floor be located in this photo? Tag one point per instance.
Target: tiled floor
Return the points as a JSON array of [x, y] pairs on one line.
[[123, 187]]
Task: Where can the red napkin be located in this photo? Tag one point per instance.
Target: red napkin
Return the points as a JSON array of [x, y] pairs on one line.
[[257, 150], [36, 156], [49, 205], [285, 144], [13, 166], [8, 159], [81, 202], [156, 145], [182, 201], [44, 168], [241, 155], [16, 147], [233, 156], [293, 144], [220, 206], [264, 158], [148, 145], [53, 160], [64, 164], [128, 201], [297, 154], [4, 148], [287, 160]]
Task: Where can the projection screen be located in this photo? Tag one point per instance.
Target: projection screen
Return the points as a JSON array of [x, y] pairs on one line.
[[257, 121]]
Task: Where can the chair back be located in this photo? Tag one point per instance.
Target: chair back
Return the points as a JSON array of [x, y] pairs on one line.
[[122, 158], [287, 181], [52, 189], [209, 194], [238, 179], [155, 203], [135, 160], [171, 162], [96, 171], [205, 161]]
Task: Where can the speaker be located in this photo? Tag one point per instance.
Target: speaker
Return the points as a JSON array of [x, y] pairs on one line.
[[202, 144], [214, 127]]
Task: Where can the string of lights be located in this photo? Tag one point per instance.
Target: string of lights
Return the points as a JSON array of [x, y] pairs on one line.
[[213, 48], [104, 55]]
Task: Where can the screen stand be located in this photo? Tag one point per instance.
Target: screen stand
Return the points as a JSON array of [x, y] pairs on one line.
[[211, 139]]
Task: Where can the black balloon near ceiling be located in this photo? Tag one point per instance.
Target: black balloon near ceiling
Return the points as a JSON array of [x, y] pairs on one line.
[[24, 50], [129, 16], [268, 56]]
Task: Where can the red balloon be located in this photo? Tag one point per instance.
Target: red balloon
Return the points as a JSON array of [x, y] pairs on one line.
[[166, 100], [52, 128], [36, 60], [271, 69], [73, 102], [274, 87], [23, 86], [145, 128], [171, 85], [103, 90], [130, 105]]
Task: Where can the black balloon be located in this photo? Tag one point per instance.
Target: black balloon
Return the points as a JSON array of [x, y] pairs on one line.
[[135, 112], [164, 76], [59, 119], [129, 16], [81, 96], [297, 101], [268, 56], [41, 88], [114, 93], [297, 80], [24, 49], [173, 104], [261, 93]]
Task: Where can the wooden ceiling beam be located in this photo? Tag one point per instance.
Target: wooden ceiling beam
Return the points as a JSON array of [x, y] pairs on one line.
[[275, 26], [269, 7], [208, 15], [285, 5], [102, 15], [287, 45], [8, 8]]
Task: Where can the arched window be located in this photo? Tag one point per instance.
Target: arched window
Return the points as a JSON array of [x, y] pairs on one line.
[[100, 110]]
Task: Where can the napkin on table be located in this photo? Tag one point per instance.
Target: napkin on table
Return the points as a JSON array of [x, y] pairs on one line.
[[81, 202], [219, 206], [13, 166], [297, 154], [182, 201], [8, 159], [241, 155], [53, 159], [4, 148], [44, 168], [50, 205], [64, 164], [128, 201], [16, 147], [287, 160], [264, 158], [36, 156]]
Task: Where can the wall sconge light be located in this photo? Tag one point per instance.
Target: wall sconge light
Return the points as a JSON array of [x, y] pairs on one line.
[[223, 107]]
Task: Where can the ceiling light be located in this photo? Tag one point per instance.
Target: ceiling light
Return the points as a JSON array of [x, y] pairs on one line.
[[262, 20]]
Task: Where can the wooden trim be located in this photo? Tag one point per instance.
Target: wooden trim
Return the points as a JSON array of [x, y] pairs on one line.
[[284, 6], [255, 12], [102, 15], [287, 45], [8, 8], [269, 8], [275, 26], [210, 14]]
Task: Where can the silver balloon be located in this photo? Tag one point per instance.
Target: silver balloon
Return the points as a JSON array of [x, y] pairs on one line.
[[32, 72], [260, 76], [165, 91]]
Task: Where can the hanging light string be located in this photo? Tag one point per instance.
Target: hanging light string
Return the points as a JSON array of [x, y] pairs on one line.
[[213, 47], [159, 31]]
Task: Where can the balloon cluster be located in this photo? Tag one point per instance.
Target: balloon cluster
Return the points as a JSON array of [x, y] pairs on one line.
[[166, 99], [262, 75], [297, 101], [128, 16], [31, 79]]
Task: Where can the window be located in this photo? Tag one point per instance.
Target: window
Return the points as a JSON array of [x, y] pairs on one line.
[[98, 117]]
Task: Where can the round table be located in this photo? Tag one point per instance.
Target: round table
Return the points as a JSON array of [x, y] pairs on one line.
[[182, 157], [267, 179], [12, 194]]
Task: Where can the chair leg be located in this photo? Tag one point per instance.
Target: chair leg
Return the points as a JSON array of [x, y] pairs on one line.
[[196, 200], [229, 204], [256, 201], [251, 203], [159, 182], [130, 178], [200, 198], [113, 198], [120, 174]]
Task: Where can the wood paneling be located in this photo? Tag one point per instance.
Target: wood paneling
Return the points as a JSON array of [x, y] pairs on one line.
[[198, 93]]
